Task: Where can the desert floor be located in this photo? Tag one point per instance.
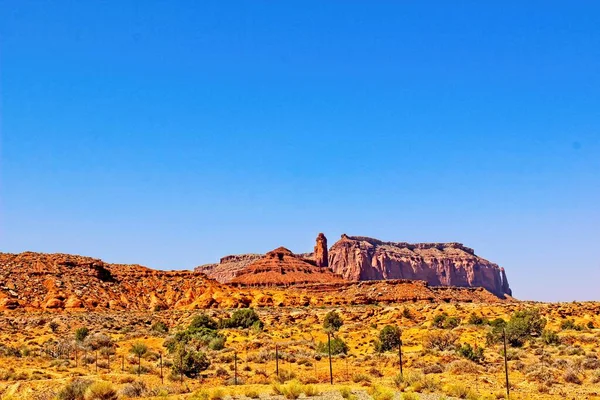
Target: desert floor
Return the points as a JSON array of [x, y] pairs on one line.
[[40, 357]]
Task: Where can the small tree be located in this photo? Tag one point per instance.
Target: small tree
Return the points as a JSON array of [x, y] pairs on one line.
[[203, 321], [332, 322], [244, 318], [81, 334], [389, 339], [189, 362], [139, 349], [523, 325], [53, 325], [469, 352], [338, 346]]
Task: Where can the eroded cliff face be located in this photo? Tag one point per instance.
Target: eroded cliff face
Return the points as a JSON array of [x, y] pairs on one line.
[[281, 267], [321, 256], [358, 258], [63, 282], [228, 267]]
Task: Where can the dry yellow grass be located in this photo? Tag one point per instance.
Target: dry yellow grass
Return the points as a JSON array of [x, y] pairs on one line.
[[568, 370]]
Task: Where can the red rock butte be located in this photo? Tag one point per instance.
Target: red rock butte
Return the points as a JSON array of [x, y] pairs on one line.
[[360, 258], [281, 267]]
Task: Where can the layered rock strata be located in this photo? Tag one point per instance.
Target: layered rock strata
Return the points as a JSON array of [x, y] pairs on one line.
[[281, 267], [358, 258]]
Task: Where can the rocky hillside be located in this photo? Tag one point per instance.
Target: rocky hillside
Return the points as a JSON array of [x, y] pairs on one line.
[[358, 258], [228, 267], [37, 281], [281, 267]]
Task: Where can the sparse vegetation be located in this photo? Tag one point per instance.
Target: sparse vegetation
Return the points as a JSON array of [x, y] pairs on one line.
[[332, 322], [389, 339], [436, 360]]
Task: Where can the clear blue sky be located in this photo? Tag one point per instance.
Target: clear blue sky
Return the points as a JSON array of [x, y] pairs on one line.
[[173, 133]]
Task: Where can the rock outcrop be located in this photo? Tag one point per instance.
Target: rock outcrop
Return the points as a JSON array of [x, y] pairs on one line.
[[281, 267], [321, 257], [358, 258], [228, 267], [63, 282]]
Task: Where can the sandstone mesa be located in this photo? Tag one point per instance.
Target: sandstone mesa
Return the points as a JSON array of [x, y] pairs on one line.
[[355, 270]]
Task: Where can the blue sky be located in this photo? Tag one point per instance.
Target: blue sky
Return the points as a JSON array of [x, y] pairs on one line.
[[172, 133]]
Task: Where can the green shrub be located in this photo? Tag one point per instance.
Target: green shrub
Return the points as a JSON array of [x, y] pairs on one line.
[[101, 391], [550, 337], [406, 313], [389, 339], [498, 322], [53, 325], [81, 334], [189, 362], [332, 322], [74, 390], [475, 319], [522, 326], [243, 318], [438, 320], [570, 324], [217, 343], [160, 327], [444, 321], [338, 346], [471, 353], [202, 321]]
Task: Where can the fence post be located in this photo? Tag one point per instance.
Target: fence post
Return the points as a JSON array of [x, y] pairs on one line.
[[329, 351], [277, 360], [235, 368], [400, 354], [162, 378], [506, 366], [181, 367]]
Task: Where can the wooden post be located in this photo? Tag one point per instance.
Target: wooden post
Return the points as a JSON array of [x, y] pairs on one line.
[[181, 367], [277, 361], [400, 354], [329, 351], [235, 368], [506, 366], [162, 378], [139, 364]]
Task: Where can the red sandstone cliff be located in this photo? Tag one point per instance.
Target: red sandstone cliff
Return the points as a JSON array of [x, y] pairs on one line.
[[359, 258], [320, 255], [281, 267], [228, 267], [60, 282]]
